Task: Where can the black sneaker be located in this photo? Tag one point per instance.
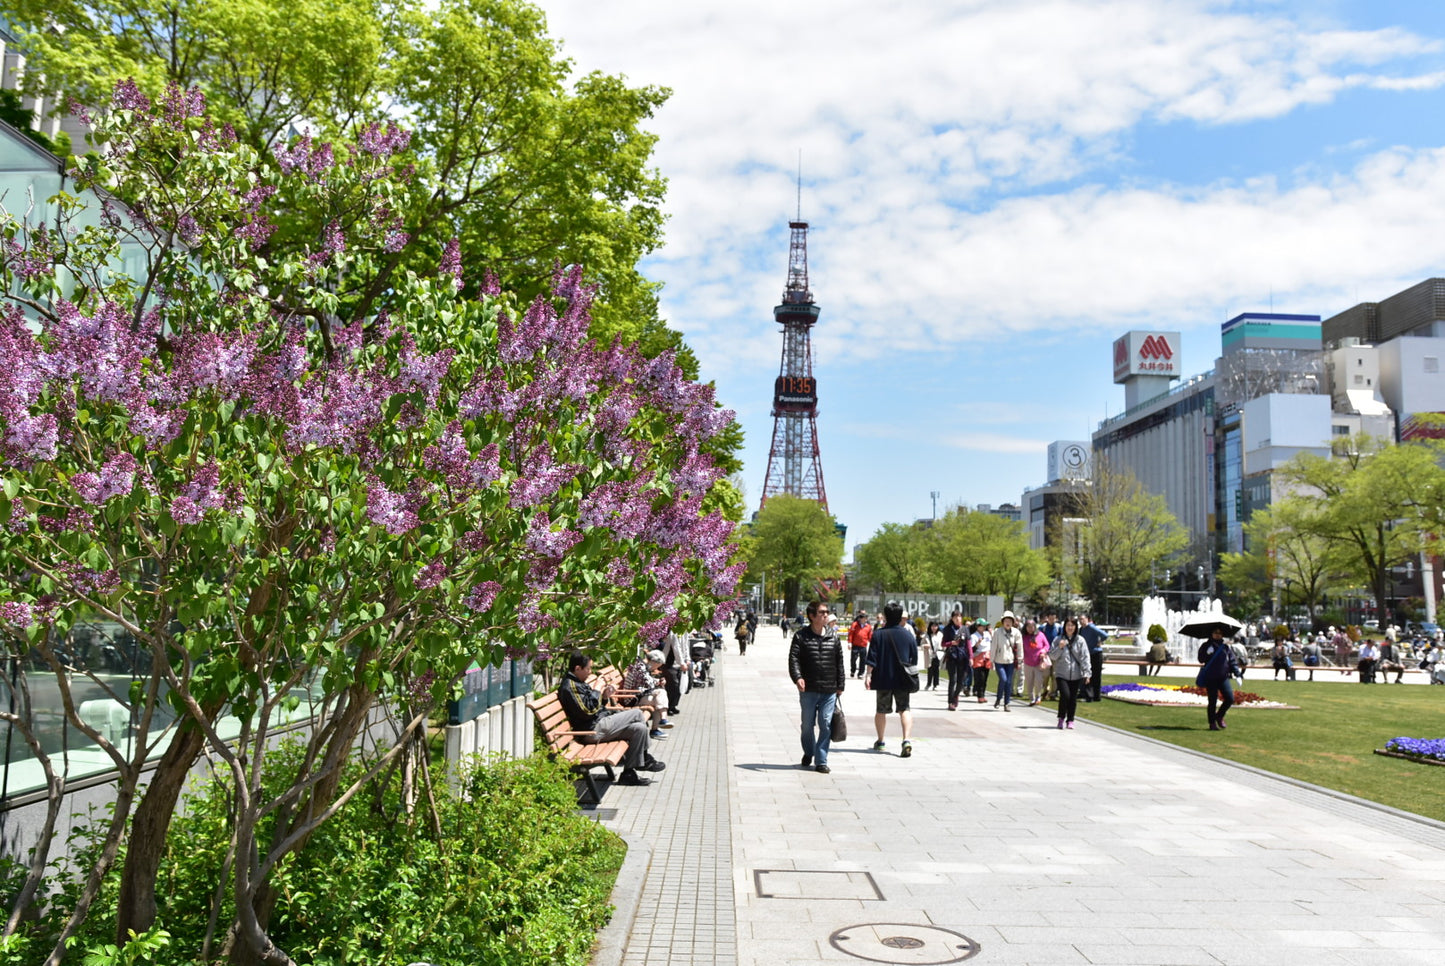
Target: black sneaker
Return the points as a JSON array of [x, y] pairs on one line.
[[652, 764], [822, 769], [907, 751], [630, 777], [807, 760], [877, 746]]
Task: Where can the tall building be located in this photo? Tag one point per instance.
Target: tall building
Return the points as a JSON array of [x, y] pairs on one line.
[[794, 465], [1164, 436], [1053, 511]]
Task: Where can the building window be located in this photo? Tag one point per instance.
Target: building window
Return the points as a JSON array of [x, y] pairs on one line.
[[1341, 430], [1432, 363], [1359, 379]]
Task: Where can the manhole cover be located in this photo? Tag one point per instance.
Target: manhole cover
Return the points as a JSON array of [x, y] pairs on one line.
[[903, 943]]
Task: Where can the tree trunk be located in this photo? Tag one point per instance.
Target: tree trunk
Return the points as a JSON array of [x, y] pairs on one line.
[[136, 906]]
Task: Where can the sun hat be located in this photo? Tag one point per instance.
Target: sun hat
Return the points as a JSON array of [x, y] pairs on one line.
[[1008, 615]]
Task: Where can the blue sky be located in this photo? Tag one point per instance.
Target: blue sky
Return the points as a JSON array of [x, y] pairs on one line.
[[999, 189]]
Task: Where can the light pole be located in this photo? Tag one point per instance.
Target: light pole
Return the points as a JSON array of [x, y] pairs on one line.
[[934, 494], [1199, 573]]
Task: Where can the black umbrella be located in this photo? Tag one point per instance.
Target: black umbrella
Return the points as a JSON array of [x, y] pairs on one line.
[[1204, 625]]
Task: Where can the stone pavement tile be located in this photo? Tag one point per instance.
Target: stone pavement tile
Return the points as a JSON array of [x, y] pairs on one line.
[[1120, 954], [1249, 954], [1032, 955]]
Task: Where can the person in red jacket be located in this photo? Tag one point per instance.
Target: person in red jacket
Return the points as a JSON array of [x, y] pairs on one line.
[[859, 634]]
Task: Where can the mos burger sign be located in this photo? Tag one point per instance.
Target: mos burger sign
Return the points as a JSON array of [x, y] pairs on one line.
[[1140, 353]]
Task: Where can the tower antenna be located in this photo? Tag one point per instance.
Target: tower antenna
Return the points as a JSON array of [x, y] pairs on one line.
[[800, 186], [794, 464]]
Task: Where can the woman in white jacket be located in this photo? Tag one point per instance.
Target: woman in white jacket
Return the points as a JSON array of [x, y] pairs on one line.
[[1006, 649], [1070, 655]]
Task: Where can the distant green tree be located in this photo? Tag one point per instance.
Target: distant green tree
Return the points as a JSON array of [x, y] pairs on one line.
[[1128, 532], [899, 557], [1285, 551], [982, 553], [1374, 502], [795, 543]]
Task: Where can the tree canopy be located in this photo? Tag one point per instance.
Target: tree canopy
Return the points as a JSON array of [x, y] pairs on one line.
[[795, 543], [529, 168], [1127, 534], [1374, 504]]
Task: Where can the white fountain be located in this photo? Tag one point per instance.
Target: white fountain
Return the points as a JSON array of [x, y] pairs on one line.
[[1156, 611]]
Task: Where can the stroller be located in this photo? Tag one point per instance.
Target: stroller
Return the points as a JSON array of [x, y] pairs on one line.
[[702, 652]]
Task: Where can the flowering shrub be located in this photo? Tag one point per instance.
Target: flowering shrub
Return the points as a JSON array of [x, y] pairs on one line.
[[276, 466], [1183, 695], [1418, 747]]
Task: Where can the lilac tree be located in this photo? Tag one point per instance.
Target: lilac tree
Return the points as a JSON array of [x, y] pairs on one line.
[[282, 498]]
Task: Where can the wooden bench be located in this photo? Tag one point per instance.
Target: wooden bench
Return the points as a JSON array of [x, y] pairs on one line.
[[562, 742]]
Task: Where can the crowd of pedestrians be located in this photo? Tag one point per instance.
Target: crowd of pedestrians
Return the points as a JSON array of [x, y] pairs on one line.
[[894, 657]]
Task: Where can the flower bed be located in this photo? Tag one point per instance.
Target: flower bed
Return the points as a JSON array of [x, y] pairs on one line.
[[1428, 751], [1182, 696]]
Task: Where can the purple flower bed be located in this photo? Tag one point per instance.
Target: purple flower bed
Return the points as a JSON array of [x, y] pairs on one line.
[[1420, 747], [1127, 686]]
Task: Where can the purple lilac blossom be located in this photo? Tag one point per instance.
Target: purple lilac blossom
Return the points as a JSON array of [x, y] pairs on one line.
[[392, 511], [482, 596], [116, 477]]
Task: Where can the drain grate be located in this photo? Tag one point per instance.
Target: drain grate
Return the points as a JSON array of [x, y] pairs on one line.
[[909, 944]]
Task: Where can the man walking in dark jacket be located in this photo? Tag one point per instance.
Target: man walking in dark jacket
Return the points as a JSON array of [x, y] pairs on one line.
[[892, 649], [815, 664]]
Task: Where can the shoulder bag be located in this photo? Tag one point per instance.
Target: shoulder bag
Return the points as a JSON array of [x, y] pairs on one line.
[[910, 671]]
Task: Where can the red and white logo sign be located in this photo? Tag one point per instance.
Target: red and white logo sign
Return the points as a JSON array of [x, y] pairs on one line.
[[1156, 347], [1146, 353]]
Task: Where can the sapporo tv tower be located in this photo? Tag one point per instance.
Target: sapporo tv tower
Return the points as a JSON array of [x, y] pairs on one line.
[[793, 464]]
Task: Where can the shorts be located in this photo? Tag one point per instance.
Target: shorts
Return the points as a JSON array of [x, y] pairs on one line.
[[887, 700]]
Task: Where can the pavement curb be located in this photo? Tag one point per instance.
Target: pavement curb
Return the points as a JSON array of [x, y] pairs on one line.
[[611, 942]]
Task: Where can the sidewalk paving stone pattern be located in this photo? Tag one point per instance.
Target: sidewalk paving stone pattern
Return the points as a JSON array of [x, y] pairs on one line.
[[1004, 840]]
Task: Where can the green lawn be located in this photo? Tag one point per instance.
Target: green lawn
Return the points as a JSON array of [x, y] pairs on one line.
[[1330, 741]]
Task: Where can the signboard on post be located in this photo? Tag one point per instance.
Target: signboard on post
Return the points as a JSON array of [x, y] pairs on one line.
[[1142, 353]]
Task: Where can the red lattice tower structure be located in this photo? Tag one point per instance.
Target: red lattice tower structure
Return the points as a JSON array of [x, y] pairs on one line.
[[793, 464]]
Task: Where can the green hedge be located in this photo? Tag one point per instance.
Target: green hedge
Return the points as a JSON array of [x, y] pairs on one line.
[[516, 877]]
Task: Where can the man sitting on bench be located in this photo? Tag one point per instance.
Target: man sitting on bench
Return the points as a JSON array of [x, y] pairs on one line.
[[587, 711]]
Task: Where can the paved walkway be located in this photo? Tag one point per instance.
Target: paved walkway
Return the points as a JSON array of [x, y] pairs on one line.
[[1002, 840]]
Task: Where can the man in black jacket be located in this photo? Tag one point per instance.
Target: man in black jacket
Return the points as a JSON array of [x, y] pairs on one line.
[[815, 663], [587, 711]]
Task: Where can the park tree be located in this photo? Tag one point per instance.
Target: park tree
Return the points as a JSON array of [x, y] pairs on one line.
[[899, 557], [1375, 504], [982, 553], [1285, 551], [795, 544], [1127, 533], [528, 167], [288, 490]]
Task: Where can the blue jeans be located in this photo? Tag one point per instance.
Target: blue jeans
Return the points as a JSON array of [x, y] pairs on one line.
[[817, 714], [1005, 682]]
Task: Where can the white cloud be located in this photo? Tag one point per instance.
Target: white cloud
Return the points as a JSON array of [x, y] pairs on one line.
[[916, 119]]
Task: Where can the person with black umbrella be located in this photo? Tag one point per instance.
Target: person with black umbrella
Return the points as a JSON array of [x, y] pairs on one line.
[[1216, 676]]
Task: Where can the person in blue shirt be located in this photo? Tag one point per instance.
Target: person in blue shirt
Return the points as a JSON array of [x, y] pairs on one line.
[[1095, 637]]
